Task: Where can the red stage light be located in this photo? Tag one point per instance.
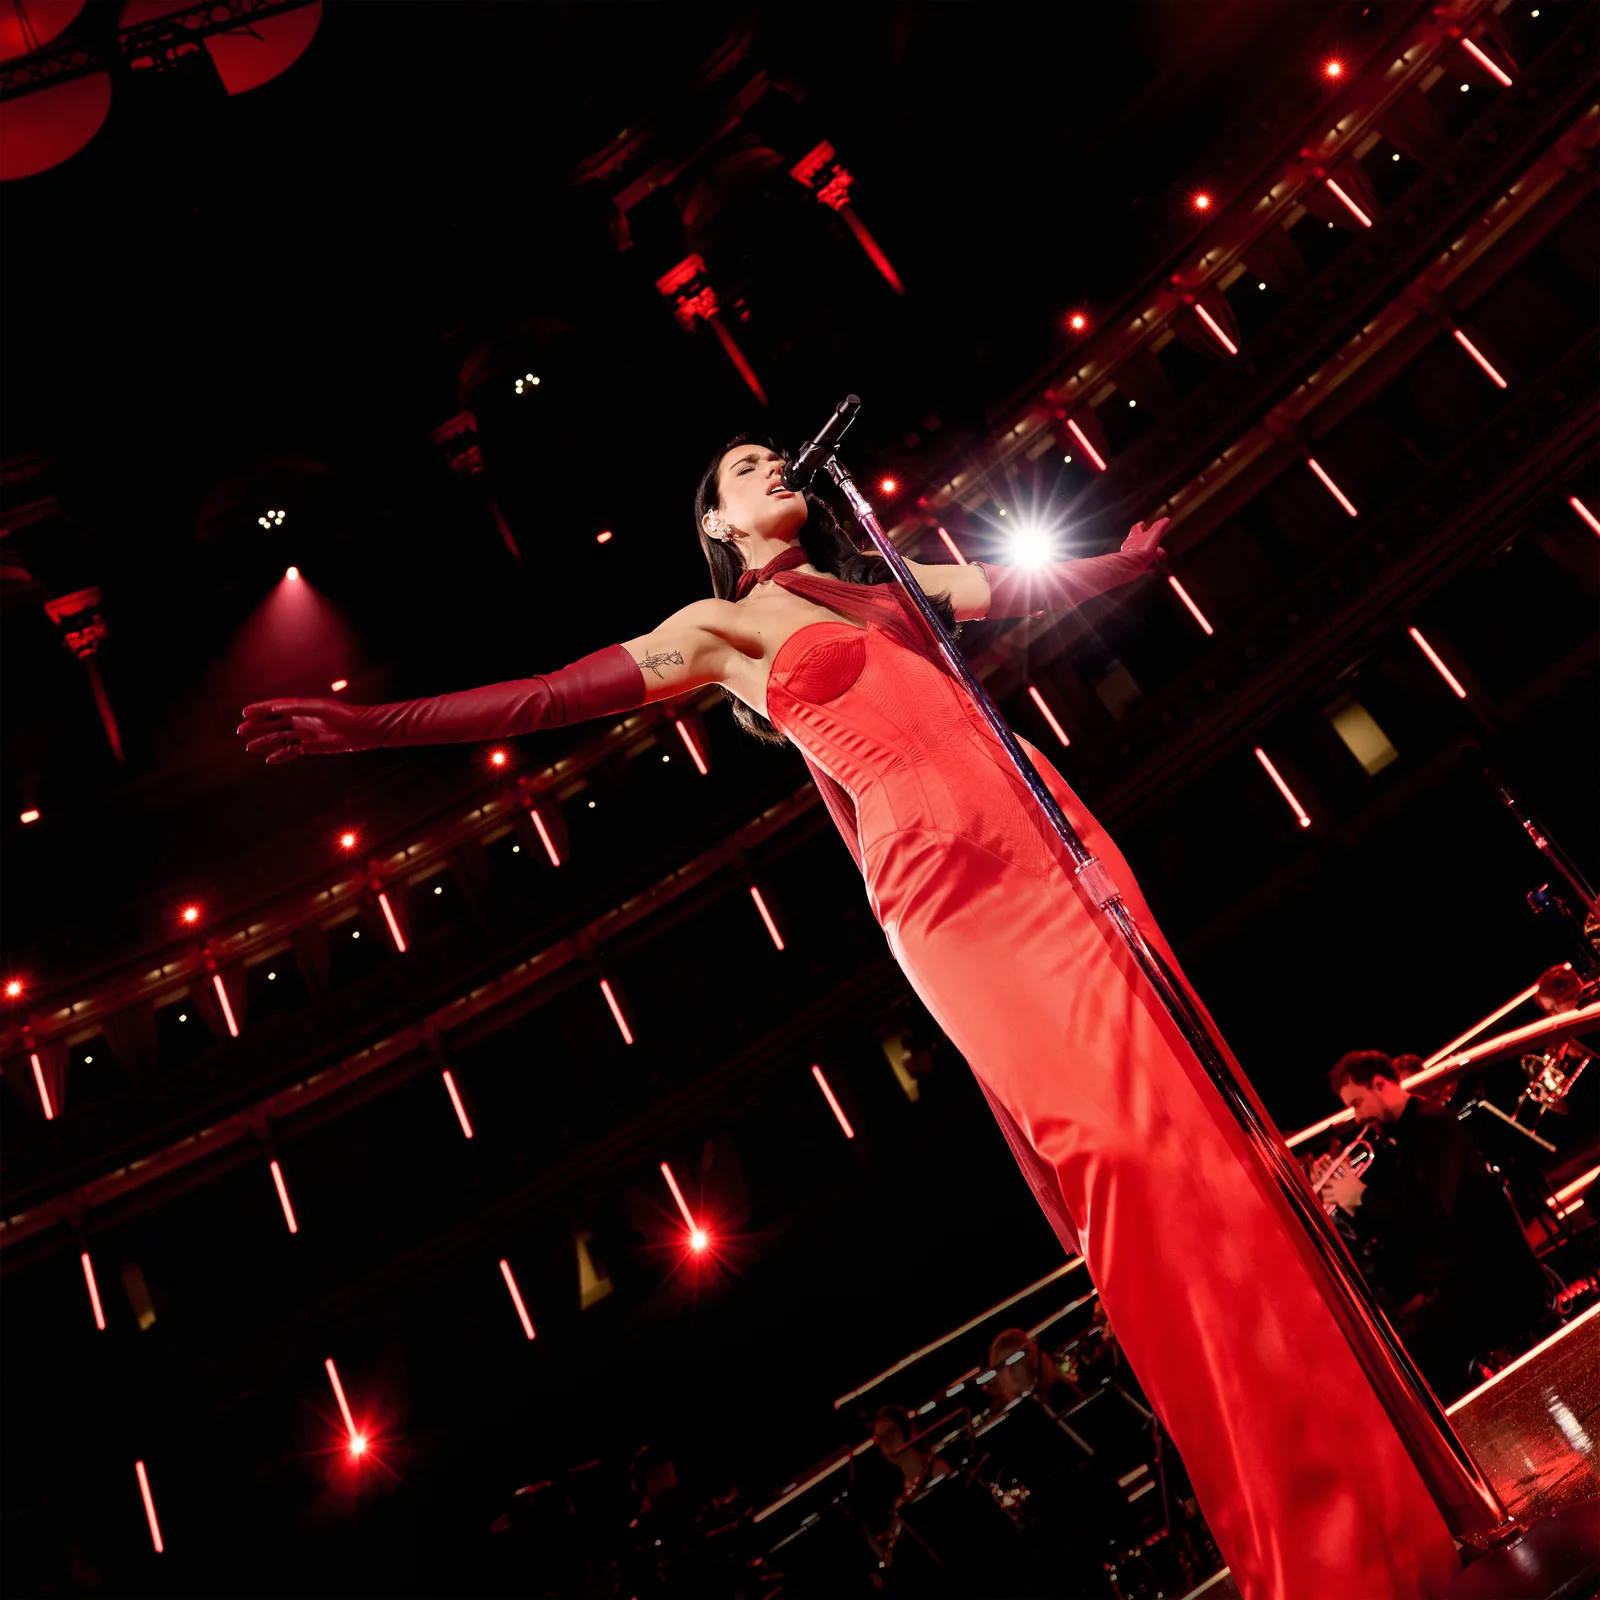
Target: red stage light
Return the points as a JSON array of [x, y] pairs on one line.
[[1577, 1186], [358, 1444], [699, 1241], [13, 989], [394, 925], [616, 1011], [339, 684], [191, 914], [1283, 788], [1077, 322], [1349, 204], [766, 916], [545, 839], [603, 537], [44, 1093], [1049, 716], [950, 545], [283, 1198], [344, 1407], [149, 1506], [833, 1105], [1088, 449], [693, 749], [1496, 72], [1333, 68], [1443, 671], [497, 758], [1584, 512], [347, 840], [94, 1291], [227, 1009], [516, 1297], [677, 1194], [293, 574], [1194, 610], [30, 815], [455, 1100], [1216, 328], [1201, 201], [1332, 488], [887, 485], [1478, 356]]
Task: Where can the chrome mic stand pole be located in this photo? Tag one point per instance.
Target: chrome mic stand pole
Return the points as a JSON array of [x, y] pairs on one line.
[[1465, 1498]]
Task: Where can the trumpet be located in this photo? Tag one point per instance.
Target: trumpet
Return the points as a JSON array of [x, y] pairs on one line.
[[1355, 1158]]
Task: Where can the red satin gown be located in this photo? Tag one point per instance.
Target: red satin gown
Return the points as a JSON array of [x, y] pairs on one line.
[[1121, 1136]]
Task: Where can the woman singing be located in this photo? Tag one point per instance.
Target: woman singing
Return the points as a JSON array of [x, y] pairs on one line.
[[1116, 1127]]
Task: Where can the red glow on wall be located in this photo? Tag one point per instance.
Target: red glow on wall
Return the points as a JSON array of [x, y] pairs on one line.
[[950, 545], [1349, 204], [545, 839], [191, 914], [1048, 715], [344, 1405], [1201, 201], [1478, 356], [1584, 512], [1194, 610], [1443, 671], [455, 1100], [833, 1104], [227, 1008], [1332, 488], [766, 916], [283, 1198], [516, 1297], [1495, 71], [497, 758], [1088, 449], [1333, 68], [30, 815], [394, 923], [149, 1506], [1216, 329], [603, 537], [1283, 788], [45, 1103], [677, 1194], [616, 1011], [693, 749], [94, 1291]]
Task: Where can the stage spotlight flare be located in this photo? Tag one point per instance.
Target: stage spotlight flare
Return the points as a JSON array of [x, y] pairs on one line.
[[1030, 546], [1201, 202], [191, 914], [699, 1240], [293, 574], [1077, 322], [30, 815], [1333, 68], [13, 989]]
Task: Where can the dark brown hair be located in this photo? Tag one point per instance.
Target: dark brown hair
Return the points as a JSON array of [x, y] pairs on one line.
[[1362, 1066]]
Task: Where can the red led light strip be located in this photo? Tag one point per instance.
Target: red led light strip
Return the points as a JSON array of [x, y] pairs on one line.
[[693, 749], [44, 1093], [455, 1100], [1194, 610], [1494, 71], [545, 839], [394, 927], [1584, 512], [677, 1194], [1211, 322], [1349, 204], [766, 916], [338, 1394], [1048, 715], [1088, 449], [516, 1297], [1523, 1360], [1478, 356], [827, 1094], [1283, 788], [950, 545], [616, 1011], [283, 1197], [1332, 488], [94, 1292], [1577, 1186], [227, 1010], [1443, 671], [149, 1506]]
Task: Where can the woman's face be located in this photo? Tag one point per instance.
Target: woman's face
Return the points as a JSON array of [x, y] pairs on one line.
[[754, 500]]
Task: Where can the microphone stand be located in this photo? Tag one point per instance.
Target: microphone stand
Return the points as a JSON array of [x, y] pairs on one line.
[[1468, 1503]]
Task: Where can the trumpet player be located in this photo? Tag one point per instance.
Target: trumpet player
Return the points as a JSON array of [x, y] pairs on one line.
[[1451, 1256]]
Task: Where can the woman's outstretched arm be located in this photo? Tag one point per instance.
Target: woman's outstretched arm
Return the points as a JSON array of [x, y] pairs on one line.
[[683, 653], [983, 589]]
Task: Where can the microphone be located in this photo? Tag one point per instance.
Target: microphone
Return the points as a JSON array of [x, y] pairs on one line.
[[798, 473]]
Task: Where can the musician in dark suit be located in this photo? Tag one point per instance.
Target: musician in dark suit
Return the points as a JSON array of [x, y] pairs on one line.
[[1451, 1255]]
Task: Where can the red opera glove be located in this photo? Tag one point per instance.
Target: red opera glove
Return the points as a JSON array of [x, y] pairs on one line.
[[1032, 591], [598, 685]]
